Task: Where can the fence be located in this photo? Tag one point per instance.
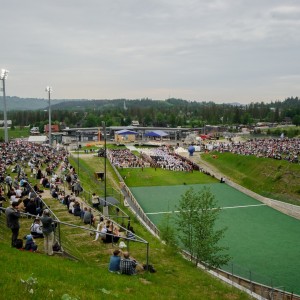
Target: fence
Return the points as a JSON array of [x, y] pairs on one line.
[[134, 205], [250, 282]]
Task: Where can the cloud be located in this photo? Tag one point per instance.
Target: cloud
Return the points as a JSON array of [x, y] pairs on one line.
[[195, 49]]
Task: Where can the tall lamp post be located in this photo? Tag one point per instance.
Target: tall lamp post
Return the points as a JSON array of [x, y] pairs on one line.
[[78, 136], [105, 208], [3, 77], [49, 91]]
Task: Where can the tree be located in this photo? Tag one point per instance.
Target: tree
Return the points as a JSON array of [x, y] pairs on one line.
[[196, 226], [167, 231]]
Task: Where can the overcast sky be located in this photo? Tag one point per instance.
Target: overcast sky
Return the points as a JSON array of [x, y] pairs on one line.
[[212, 50]]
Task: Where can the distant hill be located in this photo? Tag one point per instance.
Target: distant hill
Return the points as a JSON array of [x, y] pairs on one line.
[[16, 103]]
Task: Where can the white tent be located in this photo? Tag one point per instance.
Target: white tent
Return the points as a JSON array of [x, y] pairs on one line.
[[40, 139]]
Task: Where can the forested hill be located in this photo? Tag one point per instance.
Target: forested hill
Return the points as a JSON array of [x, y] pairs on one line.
[[17, 103], [171, 112]]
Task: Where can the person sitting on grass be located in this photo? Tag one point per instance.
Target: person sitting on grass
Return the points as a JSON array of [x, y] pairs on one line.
[[30, 245], [101, 229], [127, 264], [77, 209], [35, 229], [114, 262]]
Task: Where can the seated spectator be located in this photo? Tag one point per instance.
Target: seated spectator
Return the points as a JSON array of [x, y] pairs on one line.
[[114, 262], [77, 209], [45, 182], [37, 189], [109, 234], [71, 206], [100, 231], [54, 193], [127, 265], [116, 233], [130, 233], [35, 229], [30, 244], [31, 207]]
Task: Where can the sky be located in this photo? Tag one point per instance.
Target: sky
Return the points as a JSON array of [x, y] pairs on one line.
[[218, 50]]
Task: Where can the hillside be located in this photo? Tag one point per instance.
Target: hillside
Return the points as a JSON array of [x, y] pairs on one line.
[[276, 179], [89, 278]]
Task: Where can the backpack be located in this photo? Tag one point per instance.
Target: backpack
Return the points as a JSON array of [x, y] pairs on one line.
[[19, 244], [150, 268], [56, 247]]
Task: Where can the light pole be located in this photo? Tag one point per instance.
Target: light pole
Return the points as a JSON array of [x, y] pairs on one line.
[[3, 77], [78, 133], [104, 132], [49, 91]]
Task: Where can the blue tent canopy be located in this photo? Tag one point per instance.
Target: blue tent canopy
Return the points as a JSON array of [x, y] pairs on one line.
[[156, 133], [125, 132]]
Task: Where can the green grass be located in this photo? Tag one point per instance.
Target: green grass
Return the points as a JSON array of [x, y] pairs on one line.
[[135, 177], [89, 278], [277, 179], [175, 279], [15, 133]]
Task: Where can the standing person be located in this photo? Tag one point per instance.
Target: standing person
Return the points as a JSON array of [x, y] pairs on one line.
[[12, 220], [77, 188], [48, 231], [95, 201]]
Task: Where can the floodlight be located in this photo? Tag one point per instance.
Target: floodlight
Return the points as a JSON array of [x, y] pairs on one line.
[[4, 74], [3, 77], [49, 91]]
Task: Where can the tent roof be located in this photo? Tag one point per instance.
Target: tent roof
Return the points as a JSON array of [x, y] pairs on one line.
[[156, 133], [37, 138], [125, 132]]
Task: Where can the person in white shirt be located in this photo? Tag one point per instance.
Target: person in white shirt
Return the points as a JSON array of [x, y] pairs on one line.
[[36, 229]]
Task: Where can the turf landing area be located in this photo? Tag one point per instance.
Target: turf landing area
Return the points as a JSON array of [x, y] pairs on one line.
[[264, 244]]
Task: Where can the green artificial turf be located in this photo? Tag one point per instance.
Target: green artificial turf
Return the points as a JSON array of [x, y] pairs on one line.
[[263, 243]]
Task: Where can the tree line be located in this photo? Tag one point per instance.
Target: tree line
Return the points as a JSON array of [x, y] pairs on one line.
[[161, 113]]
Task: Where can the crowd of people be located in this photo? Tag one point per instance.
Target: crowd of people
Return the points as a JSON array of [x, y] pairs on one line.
[[165, 158], [124, 158], [162, 157], [23, 198], [281, 148], [50, 168]]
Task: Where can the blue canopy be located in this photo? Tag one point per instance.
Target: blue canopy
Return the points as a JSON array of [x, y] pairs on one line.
[[156, 133], [125, 132]]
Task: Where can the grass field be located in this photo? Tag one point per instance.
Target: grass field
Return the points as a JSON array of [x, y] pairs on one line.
[[15, 133], [150, 177], [263, 243]]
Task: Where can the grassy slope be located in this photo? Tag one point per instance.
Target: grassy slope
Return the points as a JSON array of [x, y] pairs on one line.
[[268, 177], [89, 279]]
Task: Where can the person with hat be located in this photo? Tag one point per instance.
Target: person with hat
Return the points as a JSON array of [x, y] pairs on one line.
[[48, 231], [12, 221], [35, 228]]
